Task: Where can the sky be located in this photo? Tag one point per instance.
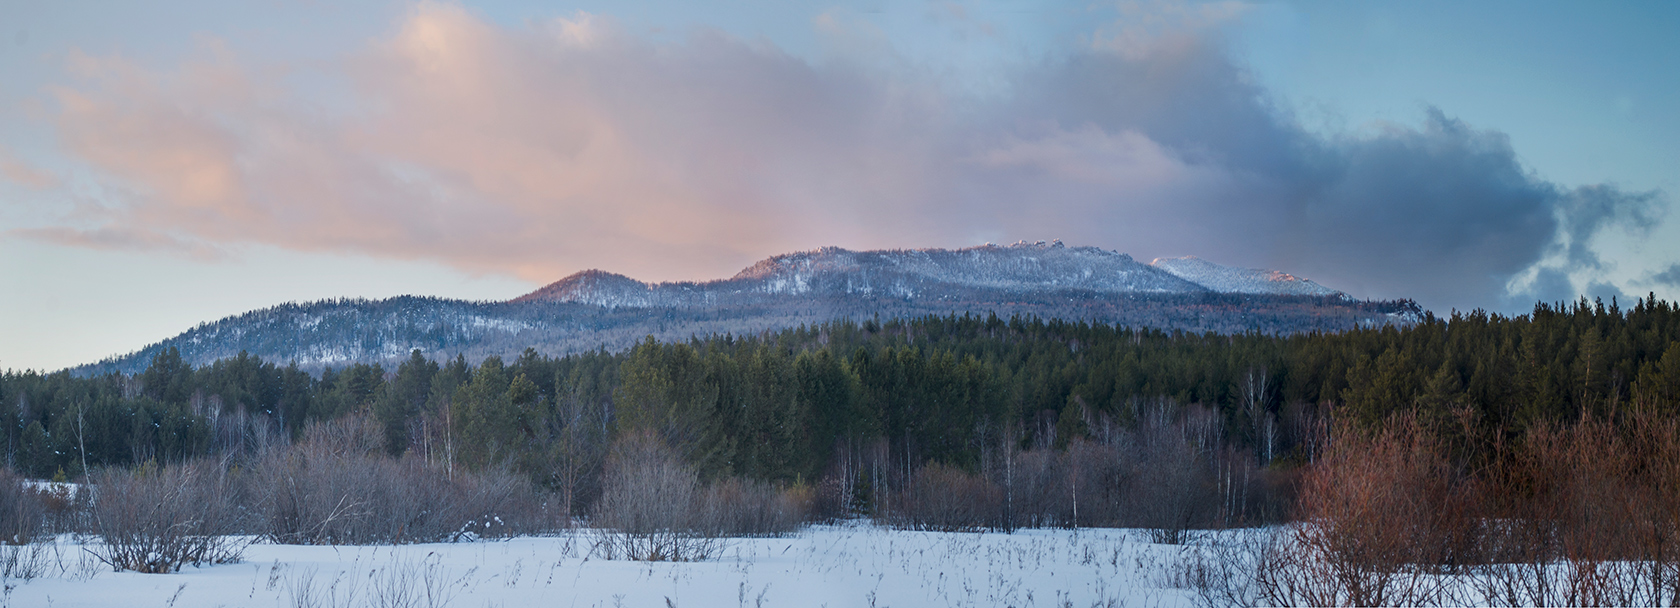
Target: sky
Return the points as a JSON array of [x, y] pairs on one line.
[[164, 164]]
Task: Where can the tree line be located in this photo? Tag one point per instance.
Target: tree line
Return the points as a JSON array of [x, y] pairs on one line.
[[798, 405]]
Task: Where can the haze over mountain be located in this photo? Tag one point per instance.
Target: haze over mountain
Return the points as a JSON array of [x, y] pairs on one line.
[[597, 309]]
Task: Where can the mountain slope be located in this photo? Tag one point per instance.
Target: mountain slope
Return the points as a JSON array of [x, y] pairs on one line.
[[1227, 279], [596, 309], [938, 273]]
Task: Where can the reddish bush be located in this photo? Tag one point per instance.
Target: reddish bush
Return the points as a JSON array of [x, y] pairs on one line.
[[1376, 516], [1598, 500]]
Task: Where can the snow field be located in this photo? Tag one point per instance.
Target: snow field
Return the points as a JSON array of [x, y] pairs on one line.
[[847, 565]]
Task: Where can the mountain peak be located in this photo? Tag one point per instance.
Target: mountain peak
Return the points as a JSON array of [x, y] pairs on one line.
[[1023, 244], [597, 287]]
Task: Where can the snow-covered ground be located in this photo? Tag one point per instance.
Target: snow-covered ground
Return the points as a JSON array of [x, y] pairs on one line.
[[53, 487], [850, 565]]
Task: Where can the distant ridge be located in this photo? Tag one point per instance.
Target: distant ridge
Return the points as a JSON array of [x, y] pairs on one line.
[[1226, 279], [595, 309], [909, 273]]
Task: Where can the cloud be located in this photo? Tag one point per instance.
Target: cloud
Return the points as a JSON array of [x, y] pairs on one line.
[[117, 239], [16, 170], [568, 144], [1588, 210], [1669, 276], [1571, 265]]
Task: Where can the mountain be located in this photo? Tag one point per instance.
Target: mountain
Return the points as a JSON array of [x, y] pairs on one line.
[[1226, 279], [596, 309], [1022, 268]]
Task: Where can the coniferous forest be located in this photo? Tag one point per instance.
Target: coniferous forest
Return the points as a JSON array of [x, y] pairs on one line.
[[876, 402]]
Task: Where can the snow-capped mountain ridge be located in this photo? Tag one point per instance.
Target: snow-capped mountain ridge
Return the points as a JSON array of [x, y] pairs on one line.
[[595, 309], [934, 273], [1228, 279]]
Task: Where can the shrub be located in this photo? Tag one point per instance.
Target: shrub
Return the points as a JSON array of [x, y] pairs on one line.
[[833, 499], [653, 507], [948, 499], [326, 491], [65, 508], [1580, 514], [155, 520], [650, 505], [1586, 514], [736, 507], [1036, 492], [1171, 485], [21, 510], [1377, 515], [25, 518]]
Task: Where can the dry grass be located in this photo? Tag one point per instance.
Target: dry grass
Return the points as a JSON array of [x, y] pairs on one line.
[[1222, 570]]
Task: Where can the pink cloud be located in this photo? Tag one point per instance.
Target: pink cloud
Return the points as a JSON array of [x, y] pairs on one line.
[[118, 239], [541, 150], [16, 170]]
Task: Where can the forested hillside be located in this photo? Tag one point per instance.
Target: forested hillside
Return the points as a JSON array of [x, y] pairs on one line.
[[594, 310], [865, 399]]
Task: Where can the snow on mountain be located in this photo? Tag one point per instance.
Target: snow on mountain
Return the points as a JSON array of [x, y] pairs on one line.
[[602, 310], [1228, 279], [597, 288], [1019, 267], [335, 332], [899, 273]]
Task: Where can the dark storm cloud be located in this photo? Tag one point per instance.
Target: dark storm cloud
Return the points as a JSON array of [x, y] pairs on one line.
[[1444, 213], [1669, 277], [1552, 286]]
